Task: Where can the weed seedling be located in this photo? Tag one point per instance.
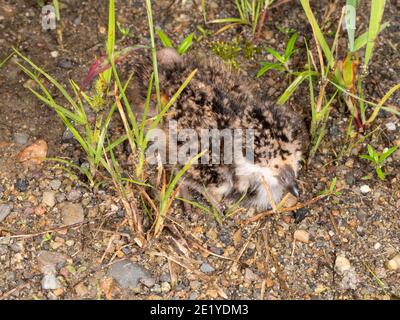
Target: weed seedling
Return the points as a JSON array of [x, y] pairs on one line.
[[377, 159]]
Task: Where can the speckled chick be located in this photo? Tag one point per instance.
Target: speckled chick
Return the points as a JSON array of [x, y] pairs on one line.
[[221, 98]]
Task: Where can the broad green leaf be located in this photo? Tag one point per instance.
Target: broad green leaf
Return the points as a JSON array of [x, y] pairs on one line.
[[318, 33], [268, 66], [290, 46], [377, 8], [276, 55], [292, 88], [386, 154], [185, 44], [166, 41], [380, 173]]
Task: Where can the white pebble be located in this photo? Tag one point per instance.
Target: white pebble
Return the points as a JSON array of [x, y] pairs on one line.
[[390, 126], [377, 246], [394, 264], [365, 189], [342, 265], [54, 54]]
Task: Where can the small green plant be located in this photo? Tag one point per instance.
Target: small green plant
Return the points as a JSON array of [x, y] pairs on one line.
[[123, 30], [230, 51], [332, 77], [182, 48], [249, 14], [331, 190], [282, 60], [376, 159]]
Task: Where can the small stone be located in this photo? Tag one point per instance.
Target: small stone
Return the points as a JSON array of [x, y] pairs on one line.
[[65, 63], [206, 268], [70, 243], [50, 282], [342, 264], [21, 138], [128, 274], [165, 287], [349, 178], [72, 213], [394, 264], [302, 236], [390, 126], [54, 54], [67, 136], [21, 185], [349, 163], [81, 290], [74, 195], [5, 210], [49, 198], [47, 261], [365, 189], [33, 154], [249, 275], [377, 246], [55, 184]]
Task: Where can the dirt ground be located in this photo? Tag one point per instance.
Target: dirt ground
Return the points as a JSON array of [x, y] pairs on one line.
[[199, 258]]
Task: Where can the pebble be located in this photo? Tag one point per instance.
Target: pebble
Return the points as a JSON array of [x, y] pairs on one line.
[[390, 126], [195, 285], [54, 54], [33, 154], [349, 178], [5, 210], [65, 63], [47, 260], [49, 198], [20, 138], [342, 264], [50, 282], [21, 185], [55, 184], [302, 236], [365, 189], [128, 275], [70, 243], [72, 213], [165, 287], [377, 246], [249, 275], [81, 290], [74, 195], [67, 136], [206, 268], [394, 264]]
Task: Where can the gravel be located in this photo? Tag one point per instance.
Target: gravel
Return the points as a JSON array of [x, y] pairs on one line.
[[72, 213], [128, 275], [206, 268], [5, 210]]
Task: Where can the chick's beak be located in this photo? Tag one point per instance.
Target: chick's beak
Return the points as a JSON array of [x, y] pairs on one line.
[[294, 190]]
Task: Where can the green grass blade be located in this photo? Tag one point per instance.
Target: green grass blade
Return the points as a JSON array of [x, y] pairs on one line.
[[362, 40], [318, 33], [185, 44], [377, 8], [166, 41], [110, 37]]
